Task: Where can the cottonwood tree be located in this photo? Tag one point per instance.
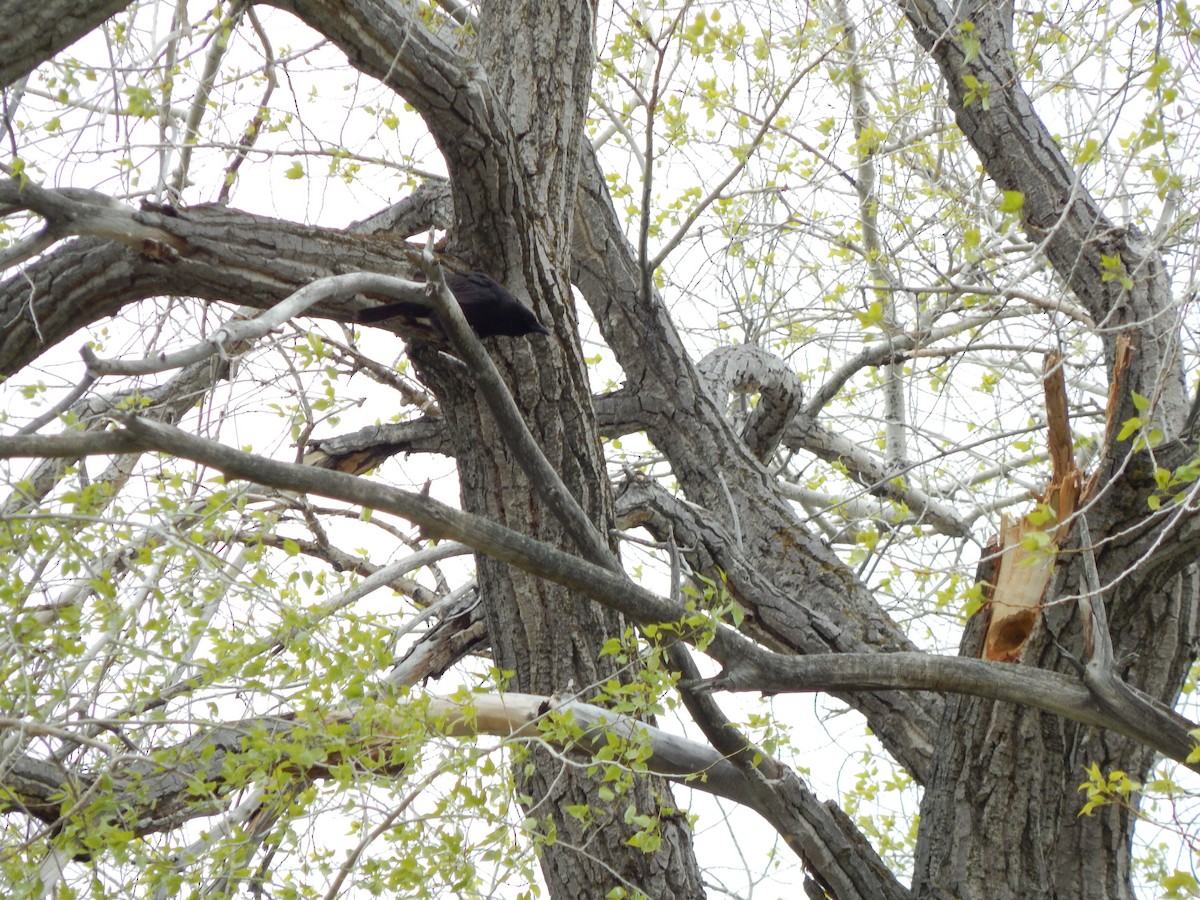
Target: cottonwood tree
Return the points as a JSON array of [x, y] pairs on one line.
[[860, 281]]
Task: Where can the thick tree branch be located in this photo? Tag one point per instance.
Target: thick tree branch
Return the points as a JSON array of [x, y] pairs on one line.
[[227, 253], [684, 422], [428, 207], [1129, 291], [33, 33], [1137, 716], [76, 212], [363, 450], [747, 666], [155, 796]]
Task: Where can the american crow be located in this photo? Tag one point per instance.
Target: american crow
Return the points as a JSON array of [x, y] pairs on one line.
[[488, 308]]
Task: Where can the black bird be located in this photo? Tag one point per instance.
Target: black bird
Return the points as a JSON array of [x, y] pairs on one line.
[[488, 308]]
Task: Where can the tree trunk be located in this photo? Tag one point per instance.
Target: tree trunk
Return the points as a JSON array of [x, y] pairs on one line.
[[512, 149], [1001, 816]]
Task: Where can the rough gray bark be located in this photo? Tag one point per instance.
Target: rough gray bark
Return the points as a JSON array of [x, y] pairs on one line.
[[45, 29], [1001, 816], [529, 208], [510, 127]]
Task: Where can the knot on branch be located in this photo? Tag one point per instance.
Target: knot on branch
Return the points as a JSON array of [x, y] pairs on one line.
[[746, 369]]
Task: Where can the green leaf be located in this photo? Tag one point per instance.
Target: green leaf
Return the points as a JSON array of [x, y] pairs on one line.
[[873, 315], [1181, 884], [1194, 756], [580, 811], [1090, 152], [1041, 515], [1011, 201], [1129, 427], [1035, 540]]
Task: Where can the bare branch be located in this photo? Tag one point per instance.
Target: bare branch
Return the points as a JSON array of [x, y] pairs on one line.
[[1137, 716], [329, 288]]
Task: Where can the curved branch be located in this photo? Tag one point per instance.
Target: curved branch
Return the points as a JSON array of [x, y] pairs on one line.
[[1059, 214], [331, 288], [745, 368], [1137, 715]]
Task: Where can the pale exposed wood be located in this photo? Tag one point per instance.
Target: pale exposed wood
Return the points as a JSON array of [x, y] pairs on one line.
[[1017, 594], [1006, 765], [1029, 549]]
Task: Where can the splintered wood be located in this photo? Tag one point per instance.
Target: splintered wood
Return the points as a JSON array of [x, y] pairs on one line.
[[1029, 546]]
